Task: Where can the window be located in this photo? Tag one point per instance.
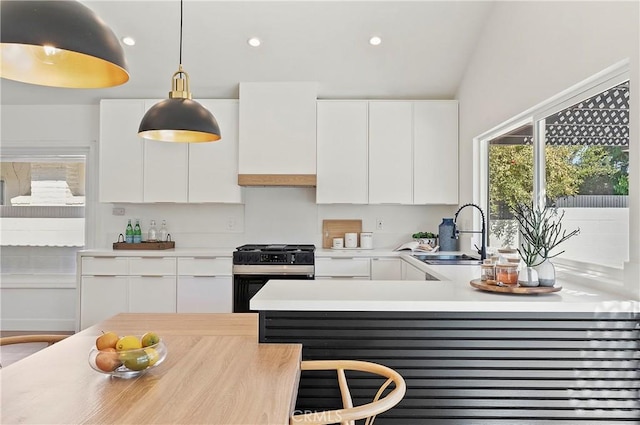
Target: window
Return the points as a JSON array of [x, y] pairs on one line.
[[44, 201], [571, 152]]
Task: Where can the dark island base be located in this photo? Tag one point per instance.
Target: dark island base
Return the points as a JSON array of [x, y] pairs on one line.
[[476, 368]]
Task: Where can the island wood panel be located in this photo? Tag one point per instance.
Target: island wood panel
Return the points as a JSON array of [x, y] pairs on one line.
[[209, 376], [480, 368]]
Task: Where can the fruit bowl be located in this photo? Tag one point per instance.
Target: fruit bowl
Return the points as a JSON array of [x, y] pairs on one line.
[[127, 363]]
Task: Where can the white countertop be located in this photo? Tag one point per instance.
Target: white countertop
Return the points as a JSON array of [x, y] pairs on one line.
[[176, 252], [214, 252], [452, 293]]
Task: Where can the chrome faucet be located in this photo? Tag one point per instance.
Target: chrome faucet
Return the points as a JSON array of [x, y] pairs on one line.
[[483, 250]]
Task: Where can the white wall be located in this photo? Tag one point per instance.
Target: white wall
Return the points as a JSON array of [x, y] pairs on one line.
[[530, 51]]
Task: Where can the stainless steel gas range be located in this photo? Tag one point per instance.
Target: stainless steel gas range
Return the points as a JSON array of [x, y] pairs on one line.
[[254, 265]]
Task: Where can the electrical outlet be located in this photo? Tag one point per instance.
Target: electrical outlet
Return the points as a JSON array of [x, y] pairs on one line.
[[231, 223], [379, 224], [118, 211]]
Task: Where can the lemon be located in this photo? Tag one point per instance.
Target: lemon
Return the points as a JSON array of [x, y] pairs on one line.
[[128, 342], [153, 355], [150, 338]]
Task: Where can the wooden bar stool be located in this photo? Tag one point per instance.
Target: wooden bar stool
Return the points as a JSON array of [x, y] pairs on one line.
[[349, 413]]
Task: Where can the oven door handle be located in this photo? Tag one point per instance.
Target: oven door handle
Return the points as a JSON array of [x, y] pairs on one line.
[[266, 270]]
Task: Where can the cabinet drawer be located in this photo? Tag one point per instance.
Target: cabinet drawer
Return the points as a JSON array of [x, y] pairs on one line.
[[342, 266], [214, 266], [107, 266], [152, 266]]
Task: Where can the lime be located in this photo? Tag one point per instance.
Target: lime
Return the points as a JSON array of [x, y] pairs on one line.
[[149, 339], [135, 361]]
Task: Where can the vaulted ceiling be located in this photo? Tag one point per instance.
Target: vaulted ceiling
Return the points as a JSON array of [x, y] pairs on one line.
[[425, 49]]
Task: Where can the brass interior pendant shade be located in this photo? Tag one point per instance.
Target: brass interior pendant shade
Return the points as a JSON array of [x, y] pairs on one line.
[[179, 118], [59, 44]]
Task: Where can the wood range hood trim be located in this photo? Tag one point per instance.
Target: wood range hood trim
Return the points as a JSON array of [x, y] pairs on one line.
[[303, 180]]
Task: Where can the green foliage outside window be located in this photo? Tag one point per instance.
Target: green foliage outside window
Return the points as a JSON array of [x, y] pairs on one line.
[[570, 170]]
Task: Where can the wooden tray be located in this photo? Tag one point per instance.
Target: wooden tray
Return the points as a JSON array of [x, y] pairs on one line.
[[492, 286], [337, 228], [145, 245]]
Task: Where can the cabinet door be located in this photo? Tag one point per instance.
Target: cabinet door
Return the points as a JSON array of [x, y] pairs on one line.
[[152, 294], [205, 294], [120, 151], [213, 167], [342, 152], [410, 272], [435, 152], [386, 269], [390, 152], [342, 267], [166, 167], [101, 297], [277, 128]]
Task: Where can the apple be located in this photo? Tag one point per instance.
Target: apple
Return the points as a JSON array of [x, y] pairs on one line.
[[107, 340], [107, 360]]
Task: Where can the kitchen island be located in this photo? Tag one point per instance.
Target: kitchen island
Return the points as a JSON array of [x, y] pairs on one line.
[[467, 356]]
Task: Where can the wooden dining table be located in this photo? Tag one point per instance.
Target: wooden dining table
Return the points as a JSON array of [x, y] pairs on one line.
[[215, 372]]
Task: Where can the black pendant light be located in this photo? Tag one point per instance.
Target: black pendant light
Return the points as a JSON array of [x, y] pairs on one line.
[[59, 44], [179, 118]]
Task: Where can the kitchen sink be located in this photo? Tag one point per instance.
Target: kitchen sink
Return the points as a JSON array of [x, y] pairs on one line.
[[448, 259]]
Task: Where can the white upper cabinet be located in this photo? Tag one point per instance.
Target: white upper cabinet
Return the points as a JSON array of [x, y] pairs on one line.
[[277, 129], [166, 169], [435, 152], [390, 152], [138, 170], [120, 151], [213, 167], [342, 152]]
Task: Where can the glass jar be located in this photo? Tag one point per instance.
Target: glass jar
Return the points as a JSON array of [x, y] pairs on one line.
[[507, 273], [508, 255], [487, 270]]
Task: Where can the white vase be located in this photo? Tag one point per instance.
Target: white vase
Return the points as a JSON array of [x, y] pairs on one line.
[[546, 273], [527, 276]]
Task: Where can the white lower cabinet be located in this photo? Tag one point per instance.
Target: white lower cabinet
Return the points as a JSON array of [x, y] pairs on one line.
[[386, 268], [342, 268], [102, 297], [152, 294], [205, 294], [205, 285], [410, 272]]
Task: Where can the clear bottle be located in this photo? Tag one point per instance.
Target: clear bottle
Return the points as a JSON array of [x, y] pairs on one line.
[[164, 233], [152, 233], [137, 232], [129, 233]]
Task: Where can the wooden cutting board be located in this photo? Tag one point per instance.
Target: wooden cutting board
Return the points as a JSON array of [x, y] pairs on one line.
[[337, 228]]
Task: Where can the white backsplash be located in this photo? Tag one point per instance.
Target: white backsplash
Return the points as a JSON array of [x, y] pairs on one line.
[[268, 215]]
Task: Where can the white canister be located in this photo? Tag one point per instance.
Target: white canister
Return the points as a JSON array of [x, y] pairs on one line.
[[337, 243], [351, 240], [366, 240]]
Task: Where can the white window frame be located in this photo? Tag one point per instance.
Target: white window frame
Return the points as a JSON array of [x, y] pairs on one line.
[[535, 116]]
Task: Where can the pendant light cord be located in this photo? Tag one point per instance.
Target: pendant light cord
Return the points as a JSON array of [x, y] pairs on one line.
[[180, 32]]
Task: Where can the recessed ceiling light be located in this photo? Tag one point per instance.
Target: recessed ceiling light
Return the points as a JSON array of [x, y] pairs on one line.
[[254, 42], [375, 40], [129, 41]]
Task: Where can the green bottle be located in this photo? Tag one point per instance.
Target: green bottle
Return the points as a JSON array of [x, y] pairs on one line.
[[137, 232], [129, 233]]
